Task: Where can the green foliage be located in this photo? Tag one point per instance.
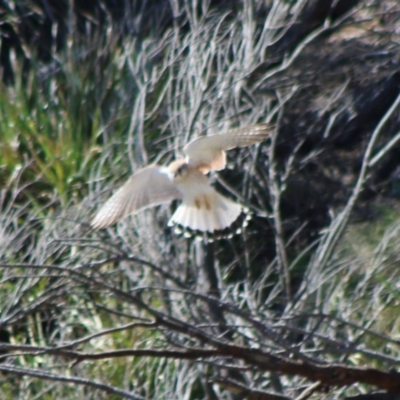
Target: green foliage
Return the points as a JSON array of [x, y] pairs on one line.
[[54, 122], [41, 129], [367, 279]]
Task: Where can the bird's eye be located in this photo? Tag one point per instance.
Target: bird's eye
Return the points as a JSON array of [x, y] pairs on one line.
[[181, 170]]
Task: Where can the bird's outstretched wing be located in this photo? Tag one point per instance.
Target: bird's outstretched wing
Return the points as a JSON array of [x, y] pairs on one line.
[[207, 153], [148, 187]]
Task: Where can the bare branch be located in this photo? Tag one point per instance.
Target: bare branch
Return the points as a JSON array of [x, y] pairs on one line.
[[45, 375]]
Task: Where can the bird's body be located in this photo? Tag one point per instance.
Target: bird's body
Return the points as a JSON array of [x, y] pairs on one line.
[[203, 211]]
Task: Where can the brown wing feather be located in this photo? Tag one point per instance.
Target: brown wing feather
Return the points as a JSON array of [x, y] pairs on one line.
[[148, 187], [207, 153]]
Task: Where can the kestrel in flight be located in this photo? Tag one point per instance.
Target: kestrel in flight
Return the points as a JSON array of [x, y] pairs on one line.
[[202, 212]]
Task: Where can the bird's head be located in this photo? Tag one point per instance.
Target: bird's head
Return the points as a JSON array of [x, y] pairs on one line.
[[179, 169]]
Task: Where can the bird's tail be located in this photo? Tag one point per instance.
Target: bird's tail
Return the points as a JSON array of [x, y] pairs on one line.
[[210, 216]]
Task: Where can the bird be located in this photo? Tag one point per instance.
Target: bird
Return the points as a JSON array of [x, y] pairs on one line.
[[203, 212]]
